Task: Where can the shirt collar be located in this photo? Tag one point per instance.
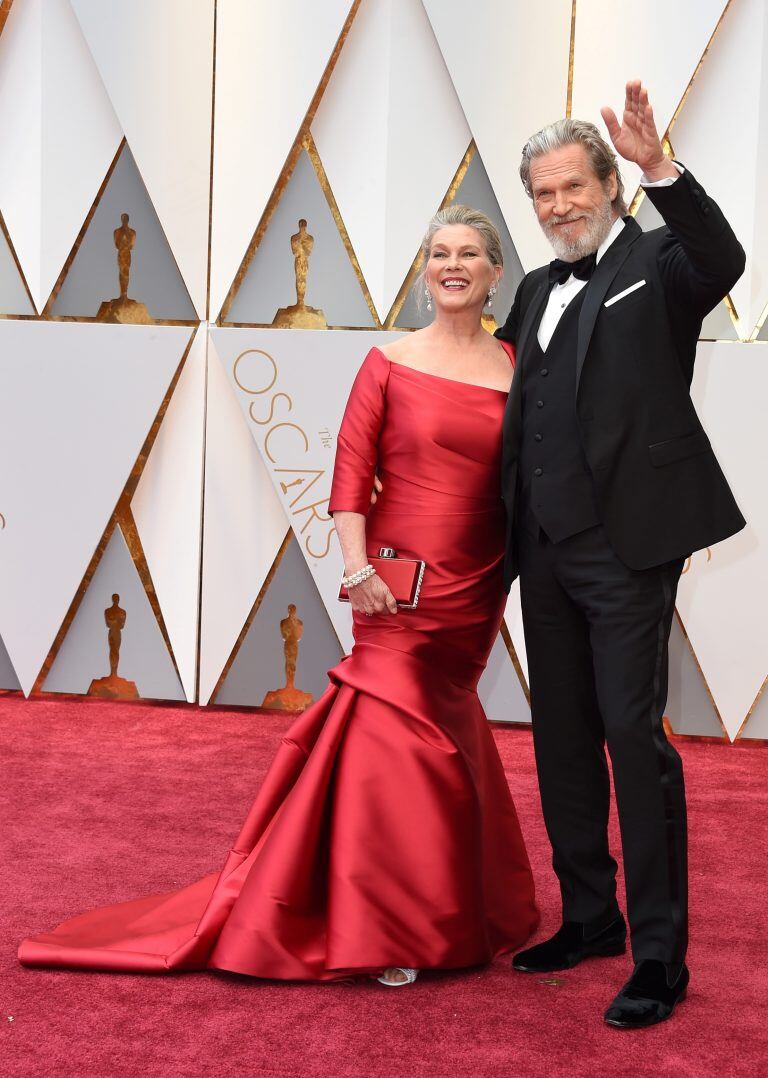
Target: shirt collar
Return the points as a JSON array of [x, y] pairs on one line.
[[618, 225]]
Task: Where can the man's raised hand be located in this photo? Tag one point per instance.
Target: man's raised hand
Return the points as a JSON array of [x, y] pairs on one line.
[[636, 138]]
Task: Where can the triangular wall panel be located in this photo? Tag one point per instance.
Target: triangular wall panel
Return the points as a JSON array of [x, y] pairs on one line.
[[84, 654], [756, 726], [499, 688], [660, 42], [166, 113], [728, 105], [244, 525], [8, 679], [60, 134], [270, 60], [167, 509], [76, 404], [154, 278], [259, 666], [270, 282], [391, 87], [510, 71], [689, 706], [721, 599], [474, 190], [296, 432], [14, 298]]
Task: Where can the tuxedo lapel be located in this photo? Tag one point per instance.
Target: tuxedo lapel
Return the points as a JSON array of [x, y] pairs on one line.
[[599, 283]]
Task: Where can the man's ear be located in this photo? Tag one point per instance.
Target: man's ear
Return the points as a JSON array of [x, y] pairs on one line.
[[613, 185]]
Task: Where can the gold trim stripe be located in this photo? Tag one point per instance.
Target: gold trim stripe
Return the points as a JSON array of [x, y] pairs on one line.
[[571, 53], [5, 10]]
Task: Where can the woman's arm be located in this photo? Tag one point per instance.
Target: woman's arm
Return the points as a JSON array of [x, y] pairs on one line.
[[372, 596], [353, 477]]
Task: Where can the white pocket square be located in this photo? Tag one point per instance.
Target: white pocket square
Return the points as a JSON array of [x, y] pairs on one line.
[[632, 288]]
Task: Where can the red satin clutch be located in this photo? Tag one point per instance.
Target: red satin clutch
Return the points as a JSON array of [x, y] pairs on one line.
[[403, 577]]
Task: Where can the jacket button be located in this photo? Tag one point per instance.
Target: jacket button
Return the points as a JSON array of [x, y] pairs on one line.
[[538, 471], [538, 437], [539, 404], [544, 372]]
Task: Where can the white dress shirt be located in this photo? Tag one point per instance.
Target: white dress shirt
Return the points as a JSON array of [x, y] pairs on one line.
[[562, 294]]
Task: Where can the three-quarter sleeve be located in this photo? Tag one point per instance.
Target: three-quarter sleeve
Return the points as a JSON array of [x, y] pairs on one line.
[[357, 446]]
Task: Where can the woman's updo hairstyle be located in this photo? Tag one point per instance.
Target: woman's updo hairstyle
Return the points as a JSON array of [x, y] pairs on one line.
[[460, 215]]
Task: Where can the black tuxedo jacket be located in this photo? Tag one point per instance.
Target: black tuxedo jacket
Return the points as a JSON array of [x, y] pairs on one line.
[[660, 491]]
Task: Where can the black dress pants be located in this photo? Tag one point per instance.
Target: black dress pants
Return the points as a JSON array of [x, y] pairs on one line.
[[597, 634]]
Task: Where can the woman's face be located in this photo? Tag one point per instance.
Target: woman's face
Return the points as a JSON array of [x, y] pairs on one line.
[[458, 272]]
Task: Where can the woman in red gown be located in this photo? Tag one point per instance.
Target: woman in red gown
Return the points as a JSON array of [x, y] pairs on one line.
[[384, 838]]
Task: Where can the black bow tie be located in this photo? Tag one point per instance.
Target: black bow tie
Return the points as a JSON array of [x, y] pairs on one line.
[[560, 271]]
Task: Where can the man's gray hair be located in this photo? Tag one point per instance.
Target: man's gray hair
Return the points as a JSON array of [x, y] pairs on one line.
[[569, 133]]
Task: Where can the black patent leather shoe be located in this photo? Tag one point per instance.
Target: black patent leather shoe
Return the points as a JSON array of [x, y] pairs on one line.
[[649, 996], [572, 944]]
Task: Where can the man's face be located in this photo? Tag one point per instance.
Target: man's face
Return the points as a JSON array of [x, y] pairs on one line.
[[572, 205]]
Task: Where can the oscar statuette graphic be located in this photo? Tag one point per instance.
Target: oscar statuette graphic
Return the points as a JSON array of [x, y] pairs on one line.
[[123, 309], [114, 687], [289, 698], [299, 315]]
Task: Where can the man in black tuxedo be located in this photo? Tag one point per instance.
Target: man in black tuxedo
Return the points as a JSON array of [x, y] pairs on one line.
[[610, 482]]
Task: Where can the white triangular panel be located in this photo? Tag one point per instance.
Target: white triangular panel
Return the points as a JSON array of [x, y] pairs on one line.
[[76, 403], [165, 113], [296, 432], [167, 509], [499, 688], [728, 103], [513, 616], [270, 59], [244, 525], [510, 70], [659, 42], [60, 134], [21, 126], [391, 87], [721, 601]]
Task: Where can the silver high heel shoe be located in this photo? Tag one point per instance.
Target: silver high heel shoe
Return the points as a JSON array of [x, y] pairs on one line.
[[410, 977]]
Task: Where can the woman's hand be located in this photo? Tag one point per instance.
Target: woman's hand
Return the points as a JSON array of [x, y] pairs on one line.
[[372, 597]]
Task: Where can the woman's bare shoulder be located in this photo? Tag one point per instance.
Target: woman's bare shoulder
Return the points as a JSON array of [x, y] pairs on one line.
[[406, 349]]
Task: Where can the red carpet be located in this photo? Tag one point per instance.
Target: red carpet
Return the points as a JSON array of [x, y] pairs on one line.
[[103, 802]]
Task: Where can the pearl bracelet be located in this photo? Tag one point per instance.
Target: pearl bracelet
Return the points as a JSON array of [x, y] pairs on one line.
[[354, 579]]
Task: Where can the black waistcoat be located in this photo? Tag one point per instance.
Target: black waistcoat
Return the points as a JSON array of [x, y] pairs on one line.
[[555, 484]]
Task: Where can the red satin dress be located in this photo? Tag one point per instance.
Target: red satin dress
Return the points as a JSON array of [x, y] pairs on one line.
[[384, 833]]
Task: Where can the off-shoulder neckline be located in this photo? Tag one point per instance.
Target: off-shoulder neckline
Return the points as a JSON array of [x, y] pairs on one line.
[[440, 378]]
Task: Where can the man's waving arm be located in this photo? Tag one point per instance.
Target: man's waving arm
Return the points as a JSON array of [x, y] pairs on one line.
[[702, 259]]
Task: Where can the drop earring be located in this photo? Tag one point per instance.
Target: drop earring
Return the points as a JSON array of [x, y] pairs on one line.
[[491, 293], [428, 294]]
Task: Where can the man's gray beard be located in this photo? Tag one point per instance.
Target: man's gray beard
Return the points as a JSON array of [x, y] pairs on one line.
[[598, 225]]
